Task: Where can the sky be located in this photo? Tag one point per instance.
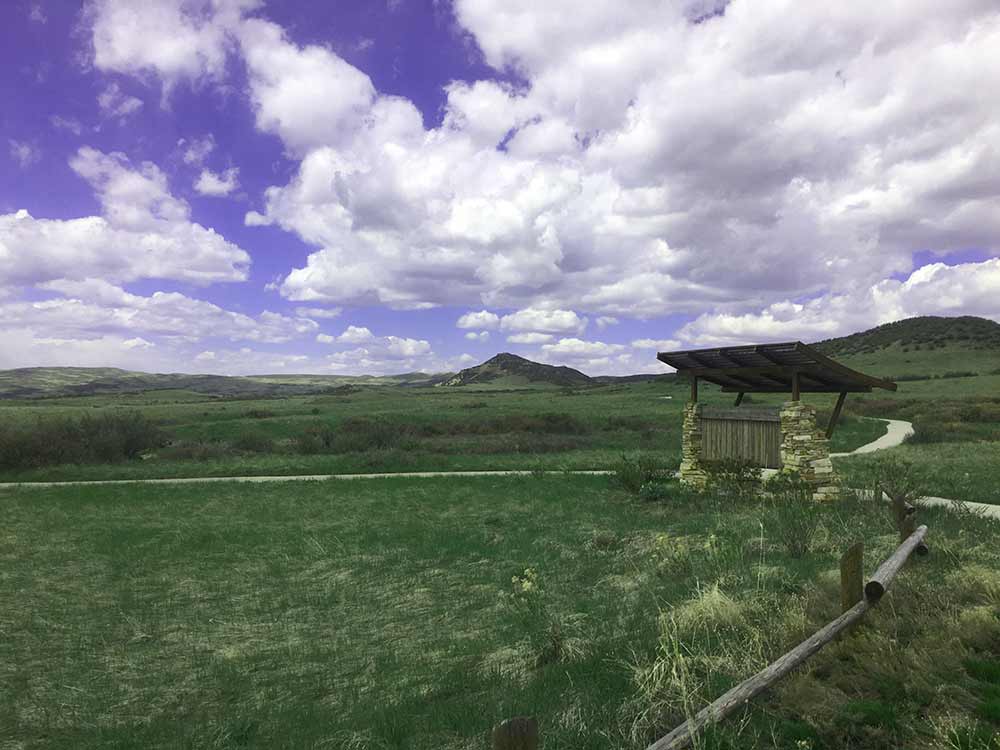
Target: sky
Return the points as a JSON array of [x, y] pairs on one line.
[[384, 186]]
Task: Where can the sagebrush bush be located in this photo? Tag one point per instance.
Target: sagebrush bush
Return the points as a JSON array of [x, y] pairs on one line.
[[196, 450], [732, 479], [254, 442], [632, 473], [103, 438], [791, 513]]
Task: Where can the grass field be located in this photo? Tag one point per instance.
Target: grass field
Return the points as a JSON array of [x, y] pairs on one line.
[[394, 429], [398, 429], [399, 614]]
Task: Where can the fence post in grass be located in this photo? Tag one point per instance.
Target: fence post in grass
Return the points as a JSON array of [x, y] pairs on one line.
[[852, 586], [518, 733], [904, 513]]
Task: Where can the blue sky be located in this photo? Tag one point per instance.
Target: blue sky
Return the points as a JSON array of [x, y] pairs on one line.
[[242, 186]]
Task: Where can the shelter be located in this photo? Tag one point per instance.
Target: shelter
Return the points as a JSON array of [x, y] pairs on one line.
[[784, 438]]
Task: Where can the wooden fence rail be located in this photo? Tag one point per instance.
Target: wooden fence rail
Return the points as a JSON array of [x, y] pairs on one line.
[[748, 689]]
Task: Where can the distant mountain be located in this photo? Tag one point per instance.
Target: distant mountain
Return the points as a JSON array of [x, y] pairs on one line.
[[48, 382], [917, 334], [511, 370]]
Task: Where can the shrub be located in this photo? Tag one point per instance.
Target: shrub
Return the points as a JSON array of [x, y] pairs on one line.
[[632, 473], [654, 492], [318, 437], [195, 451], [359, 434], [791, 513], [103, 438], [732, 479], [254, 442], [258, 413]]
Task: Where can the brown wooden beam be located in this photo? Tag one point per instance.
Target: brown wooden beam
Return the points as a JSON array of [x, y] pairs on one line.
[[694, 389], [835, 417], [796, 387], [739, 399], [785, 388]]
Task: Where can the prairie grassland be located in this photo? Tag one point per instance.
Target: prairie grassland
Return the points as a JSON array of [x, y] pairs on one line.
[[385, 429], [416, 613]]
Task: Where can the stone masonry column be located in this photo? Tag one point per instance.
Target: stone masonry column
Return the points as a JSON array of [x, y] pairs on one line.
[[692, 472], [804, 449]]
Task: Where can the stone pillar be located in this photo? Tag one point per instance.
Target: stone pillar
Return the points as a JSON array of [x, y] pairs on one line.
[[804, 449], [692, 472]]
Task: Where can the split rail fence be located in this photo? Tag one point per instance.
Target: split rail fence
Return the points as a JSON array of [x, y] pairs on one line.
[[521, 732]]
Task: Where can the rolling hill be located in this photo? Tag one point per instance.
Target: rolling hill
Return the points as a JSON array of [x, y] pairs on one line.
[[510, 370], [915, 348], [923, 333], [921, 347], [48, 382]]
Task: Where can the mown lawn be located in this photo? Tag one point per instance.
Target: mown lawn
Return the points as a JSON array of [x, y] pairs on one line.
[[383, 614]]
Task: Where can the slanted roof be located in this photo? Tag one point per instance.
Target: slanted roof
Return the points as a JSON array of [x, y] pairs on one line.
[[770, 368]]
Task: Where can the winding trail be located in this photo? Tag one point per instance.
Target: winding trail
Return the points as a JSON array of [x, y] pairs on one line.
[[896, 433]]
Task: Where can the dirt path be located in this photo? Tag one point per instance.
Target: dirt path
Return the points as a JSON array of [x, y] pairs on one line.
[[896, 432], [301, 477]]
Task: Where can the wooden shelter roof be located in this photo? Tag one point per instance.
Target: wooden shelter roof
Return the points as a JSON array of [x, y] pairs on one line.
[[771, 368]]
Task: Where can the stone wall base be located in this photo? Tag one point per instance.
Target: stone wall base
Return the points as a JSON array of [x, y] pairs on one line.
[[691, 470], [806, 451]]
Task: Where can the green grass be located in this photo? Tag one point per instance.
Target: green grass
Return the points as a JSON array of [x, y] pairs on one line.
[[381, 614], [430, 429]]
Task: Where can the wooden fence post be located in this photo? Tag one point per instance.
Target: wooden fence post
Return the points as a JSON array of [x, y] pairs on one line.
[[852, 586], [518, 733]]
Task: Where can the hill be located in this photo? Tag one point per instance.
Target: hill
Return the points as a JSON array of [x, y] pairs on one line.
[[511, 370], [916, 334], [921, 348], [48, 382]]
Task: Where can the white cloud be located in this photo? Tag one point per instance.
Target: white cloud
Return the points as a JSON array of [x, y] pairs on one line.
[[325, 338], [574, 348], [481, 336], [403, 347], [606, 320], [306, 95], [70, 124], [355, 335], [24, 153], [648, 165], [482, 319], [115, 103], [530, 338], [657, 166], [319, 312], [174, 39], [196, 150], [93, 305], [662, 345], [36, 14], [936, 289], [546, 321], [144, 232], [217, 185]]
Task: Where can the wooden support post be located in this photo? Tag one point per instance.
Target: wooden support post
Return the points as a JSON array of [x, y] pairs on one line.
[[904, 513], [796, 386], [835, 417], [694, 389], [519, 733], [852, 586], [739, 398]]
